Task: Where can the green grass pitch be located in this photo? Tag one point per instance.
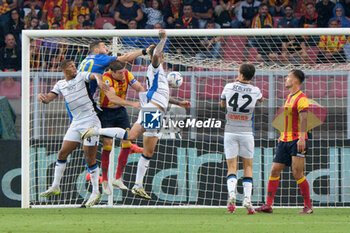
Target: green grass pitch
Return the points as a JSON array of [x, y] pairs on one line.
[[143, 220]]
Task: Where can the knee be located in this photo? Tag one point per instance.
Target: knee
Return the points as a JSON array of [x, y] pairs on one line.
[[131, 138], [298, 173], [275, 172], [107, 143]]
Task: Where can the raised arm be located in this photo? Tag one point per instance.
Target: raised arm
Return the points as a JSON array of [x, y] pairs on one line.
[[97, 77], [157, 54], [46, 98], [128, 57]]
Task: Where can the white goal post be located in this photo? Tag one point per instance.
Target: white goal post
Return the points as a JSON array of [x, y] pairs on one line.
[[189, 168]]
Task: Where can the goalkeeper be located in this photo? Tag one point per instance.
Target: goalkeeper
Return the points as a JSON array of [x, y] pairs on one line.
[[98, 60]]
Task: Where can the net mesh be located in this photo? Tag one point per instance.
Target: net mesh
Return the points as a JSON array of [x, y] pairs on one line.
[[188, 167]]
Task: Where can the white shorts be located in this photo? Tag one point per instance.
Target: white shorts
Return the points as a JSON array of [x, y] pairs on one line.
[[76, 128], [141, 121], [236, 144]]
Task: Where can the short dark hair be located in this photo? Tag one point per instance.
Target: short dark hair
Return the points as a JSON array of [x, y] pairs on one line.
[[299, 75], [56, 7], [290, 6], [247, 70], [116, 65], [94, 44], [262, 5], [309, 3], [64, 63]]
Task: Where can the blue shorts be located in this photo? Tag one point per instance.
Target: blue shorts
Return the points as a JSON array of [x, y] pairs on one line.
[[114, 117], [285, 151]]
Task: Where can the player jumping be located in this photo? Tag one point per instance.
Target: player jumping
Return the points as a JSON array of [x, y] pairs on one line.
[[97, 61], [80, 106], [155, 100], [240, 98]]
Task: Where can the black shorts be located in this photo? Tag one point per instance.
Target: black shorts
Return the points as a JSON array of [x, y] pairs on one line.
[[114, 117], [285, 151]]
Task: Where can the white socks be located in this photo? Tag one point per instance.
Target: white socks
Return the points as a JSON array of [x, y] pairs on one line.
[[94, 174], [142, 167], [247, 187], [112, 132], [59, 170], [231, 183]]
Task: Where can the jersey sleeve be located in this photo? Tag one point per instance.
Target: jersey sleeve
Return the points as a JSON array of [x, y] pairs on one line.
[[107, 80], [303, 104], [107, 60], [56, 89], [258, 93], [131, 79], [85, 76], [223, 94]]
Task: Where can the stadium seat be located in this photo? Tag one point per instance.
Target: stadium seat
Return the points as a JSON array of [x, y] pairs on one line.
[[263, 83], [253, 54], [233, 48], [10, 90], [99, 22], [312, 54], [184, 91], [316, 86], [139, 68], [338, 87], [213, 87], [276, 20]]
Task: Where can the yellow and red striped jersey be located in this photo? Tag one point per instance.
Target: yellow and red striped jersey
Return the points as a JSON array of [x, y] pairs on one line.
[[120, 87], [295, 103]]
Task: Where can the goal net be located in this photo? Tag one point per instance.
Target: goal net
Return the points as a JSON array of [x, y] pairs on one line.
[[188, 167]]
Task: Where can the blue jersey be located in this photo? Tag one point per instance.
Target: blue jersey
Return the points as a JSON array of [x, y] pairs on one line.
[[95, 63]]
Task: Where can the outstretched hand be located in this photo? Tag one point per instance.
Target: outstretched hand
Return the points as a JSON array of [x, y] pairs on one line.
[[162, 34], [148, 50], [42, 98], [185, 104]]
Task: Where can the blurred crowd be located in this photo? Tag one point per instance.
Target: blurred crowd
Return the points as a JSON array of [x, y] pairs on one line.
[[16, 15]]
